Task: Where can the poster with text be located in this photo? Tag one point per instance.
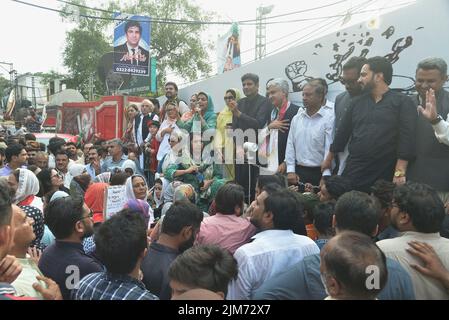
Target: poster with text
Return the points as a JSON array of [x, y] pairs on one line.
[[132, 38]]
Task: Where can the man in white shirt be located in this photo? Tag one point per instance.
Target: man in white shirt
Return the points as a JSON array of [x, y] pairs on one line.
[[272, 250], [310, 136], [418, 213]]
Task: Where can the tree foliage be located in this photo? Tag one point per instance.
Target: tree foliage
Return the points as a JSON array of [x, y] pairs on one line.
[[5, 85], [177, 47]]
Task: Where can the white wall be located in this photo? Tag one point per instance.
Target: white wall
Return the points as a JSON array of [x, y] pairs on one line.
[[424, 23]]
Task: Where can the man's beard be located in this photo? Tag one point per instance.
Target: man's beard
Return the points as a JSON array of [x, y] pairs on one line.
[[88, 232], [368, 88], [187, 245]]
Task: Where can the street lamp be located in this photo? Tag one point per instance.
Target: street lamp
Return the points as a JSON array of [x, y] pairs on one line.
[[261, 28]]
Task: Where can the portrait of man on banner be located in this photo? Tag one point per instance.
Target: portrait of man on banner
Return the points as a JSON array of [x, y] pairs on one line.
[[131, 45]]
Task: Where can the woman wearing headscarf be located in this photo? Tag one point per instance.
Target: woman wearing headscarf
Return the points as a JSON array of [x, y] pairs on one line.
[[142, 207], [204, 115], [38, 225], [209, 174], [177, 164], [94, 199], [136, 188], [223, 143], [26, 187], [129, 166]]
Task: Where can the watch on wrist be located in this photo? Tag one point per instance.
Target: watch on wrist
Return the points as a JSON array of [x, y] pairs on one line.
[[437, 120], [399, 174]]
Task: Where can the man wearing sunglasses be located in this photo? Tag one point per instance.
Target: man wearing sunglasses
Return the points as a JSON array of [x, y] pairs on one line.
[[64, 261], [351, 73]]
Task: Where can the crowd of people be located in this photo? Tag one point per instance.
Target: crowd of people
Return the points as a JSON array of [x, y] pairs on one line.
[[343, 200]]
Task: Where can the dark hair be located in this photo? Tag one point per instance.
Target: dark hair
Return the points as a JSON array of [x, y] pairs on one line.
[[71, 144], [271, 188], [118, 179], [264, 180], [357, 211], [158, 181], [232, 91], [318, 87], [44, 177], [30, 136], [156, 103], [355, 63], [299, 226], [96, 148], [207, 267], [171, 83], [181, 214], [5, 204], [13, 150], [16, 174], [132, 23], [120, 241], [228, 197], [42, 146], [322, 82], [286, 209], [348, 260], [383, 191], [251, 76], [422, 204], [381, 65], [62, 214], [55, 146], [336, 186], [322, 217], [62, 152]]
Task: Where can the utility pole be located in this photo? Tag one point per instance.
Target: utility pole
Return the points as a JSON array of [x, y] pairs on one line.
[[91, 87], [33, 92], [261, 30]]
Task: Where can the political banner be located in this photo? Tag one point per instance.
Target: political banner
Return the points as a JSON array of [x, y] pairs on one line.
[[132, 38], [228, 50]]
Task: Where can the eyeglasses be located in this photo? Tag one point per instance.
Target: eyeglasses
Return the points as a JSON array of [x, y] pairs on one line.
[[90, 215], [57, 175], [229, 98]]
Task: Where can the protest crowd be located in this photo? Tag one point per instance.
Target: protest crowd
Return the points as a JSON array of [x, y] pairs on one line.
[[266, 200]]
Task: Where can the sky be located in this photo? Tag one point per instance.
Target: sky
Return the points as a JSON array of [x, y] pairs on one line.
[[37, 42]]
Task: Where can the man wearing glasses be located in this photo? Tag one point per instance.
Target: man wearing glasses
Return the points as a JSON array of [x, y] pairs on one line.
[[351, 73], [65, 261]]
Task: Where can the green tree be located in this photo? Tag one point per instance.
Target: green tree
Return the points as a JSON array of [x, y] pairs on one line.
[[177, 47], [84, 47], [4, 85]]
